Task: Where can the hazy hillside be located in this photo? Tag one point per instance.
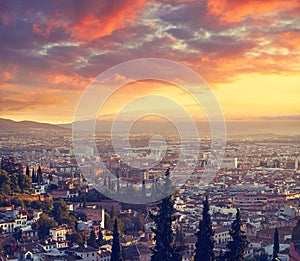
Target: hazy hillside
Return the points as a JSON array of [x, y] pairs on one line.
[[234, 128], [10, 125]]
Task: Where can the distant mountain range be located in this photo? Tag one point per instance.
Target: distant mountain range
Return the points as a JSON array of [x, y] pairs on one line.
[[266, 127], [10, 125]]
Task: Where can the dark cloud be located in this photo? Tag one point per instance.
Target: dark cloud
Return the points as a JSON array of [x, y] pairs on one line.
[[222, 45], [181, 33], [192, 15]]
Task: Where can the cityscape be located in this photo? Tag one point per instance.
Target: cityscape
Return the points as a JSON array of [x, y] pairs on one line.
[[259, 176], [144, 130]]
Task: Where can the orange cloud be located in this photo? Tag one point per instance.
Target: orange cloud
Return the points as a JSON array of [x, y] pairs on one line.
[[75, 81], [6, 75], [290, 40], [231, 11], [91, 25], [28, 100], [5, 86]]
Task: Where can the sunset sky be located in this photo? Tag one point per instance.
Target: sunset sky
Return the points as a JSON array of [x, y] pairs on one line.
[[247, 51]]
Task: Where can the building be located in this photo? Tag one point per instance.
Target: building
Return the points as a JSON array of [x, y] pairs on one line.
[[58, 233], [7, 227], [251, 202], [229, 163], [86, 253], [104, 256], [222, 235]]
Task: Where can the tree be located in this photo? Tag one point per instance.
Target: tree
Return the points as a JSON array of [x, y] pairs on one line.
[[105, 182], [276, 245], [18, 234], [24, 182], [44, 223], [27, 171], [113, 214], [75, 238], [33, 176], [83, 200], [50, 177], [36, 205], [179, 242], [14, 184], [205, 236], [118, 184], [237, 246], [143, 189], [107, 221], [116, 252], [263, 257], [17, 202], [39, 176], [60, 212], [164, 246], [100, 238], [4, 182], [140, 223], [92, 239], [47, 207]]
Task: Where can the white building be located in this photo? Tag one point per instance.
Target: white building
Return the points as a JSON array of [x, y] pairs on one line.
[[7, 226], [21, 221], [86, 253], [84, 226], [222, 235], [58, 233], [229, 163], [39, 189]]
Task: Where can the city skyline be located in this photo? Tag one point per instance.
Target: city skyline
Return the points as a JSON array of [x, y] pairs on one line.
[[248, 52]]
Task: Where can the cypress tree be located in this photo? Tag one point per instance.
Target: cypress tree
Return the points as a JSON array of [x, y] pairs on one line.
[[116, 252], [105, 182], [27, 171], [84, 200], [165, 248], [237, 246], [100, 238], [92, 239], [110, 186], [118, 184], [39, 176], [143, 189], [179, 243], [276, 245], [204, 247], [33, 176]]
